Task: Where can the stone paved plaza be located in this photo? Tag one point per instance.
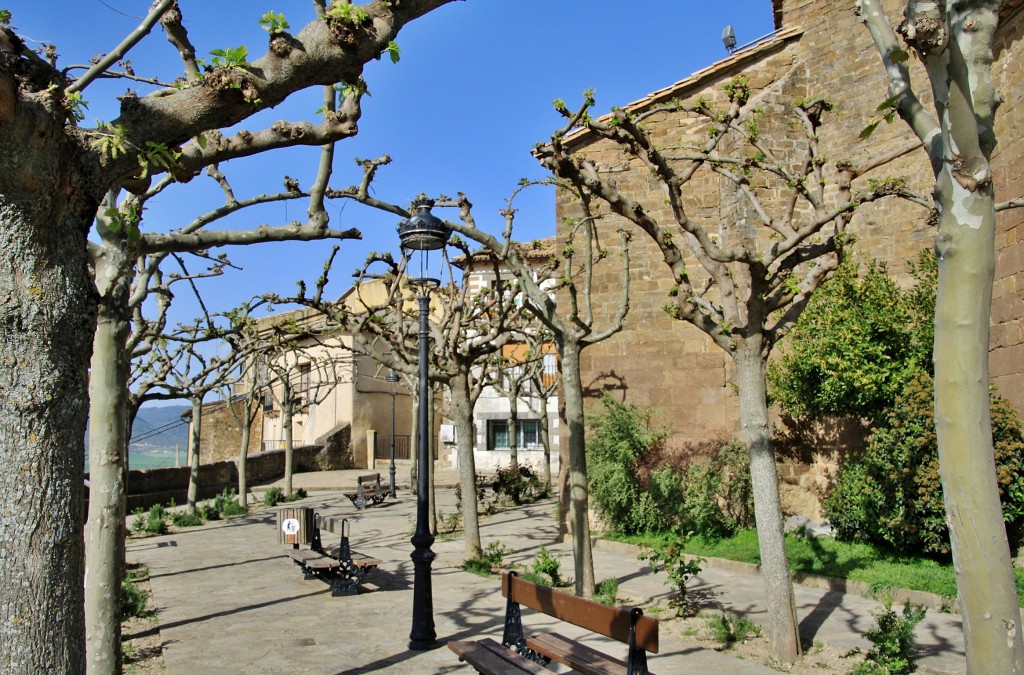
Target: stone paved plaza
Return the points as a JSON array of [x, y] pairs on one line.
[[230, 601]]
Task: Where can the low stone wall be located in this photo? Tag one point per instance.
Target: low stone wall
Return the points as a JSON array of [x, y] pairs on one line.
[[159, 486]]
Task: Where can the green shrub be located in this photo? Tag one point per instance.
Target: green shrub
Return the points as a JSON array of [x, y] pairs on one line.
[[535, 578], [546, 565], [606, 592], [273, 496], [156, 519], [448, 523], [139, 522], [133, 600], [892, 495], [679, 566], [486, 562], [226, 504], [856, 344], [706, 492], [639, 486], [618, 440], [730, 629], [297, 494], [483, 504], [521, 486], [893, 639], [187, 518], [208, 511]]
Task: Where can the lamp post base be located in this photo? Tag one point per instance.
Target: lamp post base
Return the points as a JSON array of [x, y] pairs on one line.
[[423, 635]]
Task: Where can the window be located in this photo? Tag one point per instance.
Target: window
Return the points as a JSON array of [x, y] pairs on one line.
[[302, 385], [527, 437], [550, 370]]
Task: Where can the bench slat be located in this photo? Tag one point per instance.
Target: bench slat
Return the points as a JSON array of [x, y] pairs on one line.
[[313, 559], [611, 622], [319, 561], [491, 658], [359, 559], [575, 655], [335, 525]]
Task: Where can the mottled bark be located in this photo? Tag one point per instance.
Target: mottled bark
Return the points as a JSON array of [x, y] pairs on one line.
[[783, 628], [462, 416], [563, 468], [545, 441], [194, 440], [981, 554], [954, 41], [243, 466], [513, 429], [109, 430], [287, 404], [579, 501]]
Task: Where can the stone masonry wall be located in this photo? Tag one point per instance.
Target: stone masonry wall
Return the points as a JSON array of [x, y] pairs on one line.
[[221, 437], [1006, 360], [659, 362]]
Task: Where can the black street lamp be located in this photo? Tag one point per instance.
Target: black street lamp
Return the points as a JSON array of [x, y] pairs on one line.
[[392, 378], [423, 232]]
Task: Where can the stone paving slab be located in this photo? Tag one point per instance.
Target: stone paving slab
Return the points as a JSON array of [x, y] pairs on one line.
[[230, 601]]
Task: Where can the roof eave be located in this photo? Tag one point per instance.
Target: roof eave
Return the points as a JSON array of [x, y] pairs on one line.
[[757, 51]]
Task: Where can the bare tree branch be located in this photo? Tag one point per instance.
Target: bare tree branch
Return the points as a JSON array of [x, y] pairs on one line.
[[132, 39]]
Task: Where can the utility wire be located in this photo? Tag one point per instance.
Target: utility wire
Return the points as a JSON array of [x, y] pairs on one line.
[[156, 431]]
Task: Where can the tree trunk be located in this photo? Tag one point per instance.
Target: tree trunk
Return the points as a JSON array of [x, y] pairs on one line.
[[197, 434], [513, 440], [563, 466], [462, 415], [108, 448], [47, 319], [243, 455], [545, 441], [286, 428], [981, 554], [575, 441], [783, 628]]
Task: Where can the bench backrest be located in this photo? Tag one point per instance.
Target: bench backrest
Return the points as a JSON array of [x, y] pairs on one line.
[[613, 622], [368, 478], [335, 525]]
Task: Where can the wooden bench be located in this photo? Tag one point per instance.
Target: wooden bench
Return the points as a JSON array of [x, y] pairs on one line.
[[368, 487], [519, 653], [339, 565]]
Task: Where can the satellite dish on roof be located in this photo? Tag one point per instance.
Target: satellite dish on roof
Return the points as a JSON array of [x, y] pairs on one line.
[[729, 38]]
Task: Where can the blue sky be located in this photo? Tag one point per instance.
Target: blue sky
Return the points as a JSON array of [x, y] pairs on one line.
[[470, 97]]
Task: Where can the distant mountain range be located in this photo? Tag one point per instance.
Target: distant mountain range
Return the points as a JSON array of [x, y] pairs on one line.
[[160, 429], [157, 430]]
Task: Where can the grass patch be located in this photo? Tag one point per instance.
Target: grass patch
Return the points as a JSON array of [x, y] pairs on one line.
[[826, 557], [607, 592]]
